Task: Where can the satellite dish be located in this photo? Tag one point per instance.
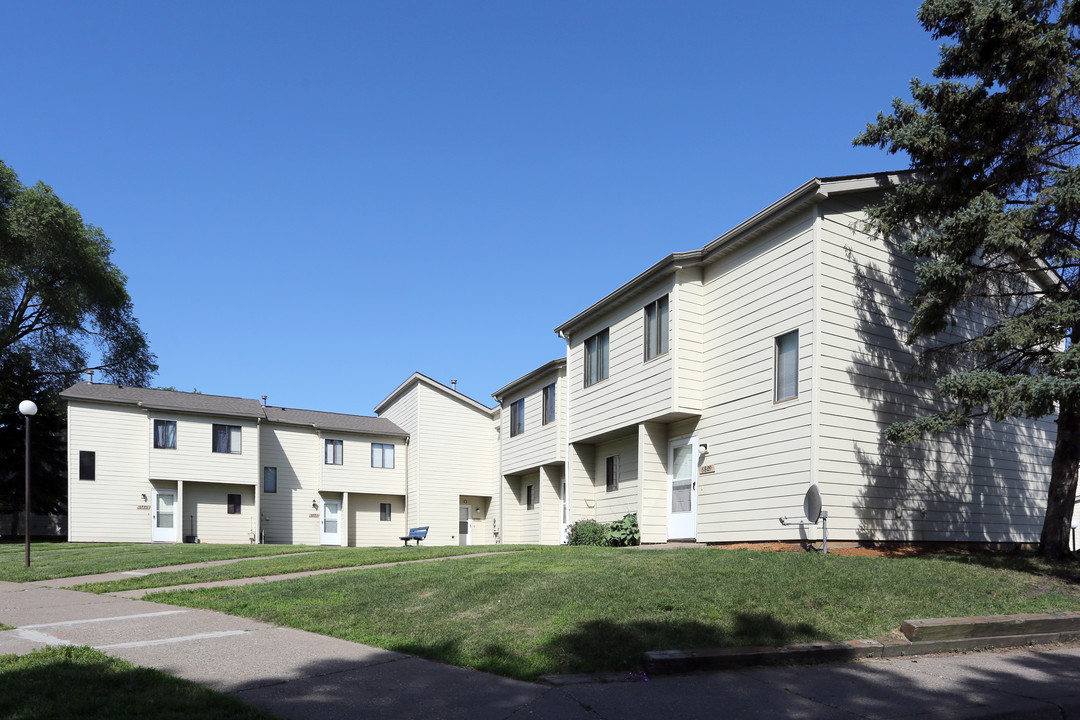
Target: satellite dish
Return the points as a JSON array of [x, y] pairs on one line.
[[811, 504]]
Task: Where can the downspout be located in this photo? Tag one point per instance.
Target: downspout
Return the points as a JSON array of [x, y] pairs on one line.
[[501, 479], [815, 357], [258, 484], [566, 442], [407, 476]]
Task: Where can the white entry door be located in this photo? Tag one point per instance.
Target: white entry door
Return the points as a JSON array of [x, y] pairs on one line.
[[463, 525], [163, 516], [682, 489], [331, 522]]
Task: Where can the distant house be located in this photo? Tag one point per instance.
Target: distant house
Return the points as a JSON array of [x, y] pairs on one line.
[[451, 459], [164, 466], [706, 395]]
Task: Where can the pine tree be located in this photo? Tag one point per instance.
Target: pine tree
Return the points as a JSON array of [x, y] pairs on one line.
[[992, 218]]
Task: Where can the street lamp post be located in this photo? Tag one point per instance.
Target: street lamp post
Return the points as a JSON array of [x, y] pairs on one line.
[[28, 410]]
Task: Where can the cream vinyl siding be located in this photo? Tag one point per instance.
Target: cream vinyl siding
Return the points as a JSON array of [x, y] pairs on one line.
[[760, 448], [206, 504], [405, 413], [687, 339], [365, 527], [635, 389], [108, 509], [456, 448], [614, 505], [194, 458], [287, 514], [550, 506], [355, 474], [987, 483], [540, 444], [521, 524], [652, 460]]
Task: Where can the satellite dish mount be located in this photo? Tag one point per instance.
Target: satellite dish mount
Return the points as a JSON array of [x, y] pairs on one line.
[[813, 512]]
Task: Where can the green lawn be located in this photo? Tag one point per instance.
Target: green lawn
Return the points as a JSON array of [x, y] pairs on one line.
[[322, 560], [78, 682], [559, 610], [56, 560]]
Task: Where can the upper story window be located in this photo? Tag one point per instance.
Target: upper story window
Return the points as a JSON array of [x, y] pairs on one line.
[[517, 417], [165, 434], [656, 328], [382, 455], [334, 450], [87, 465], [226, 439], [596, 358], [786, 385], [549, 403]]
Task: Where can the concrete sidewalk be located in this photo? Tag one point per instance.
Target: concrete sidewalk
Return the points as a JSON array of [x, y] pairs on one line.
[[296, 674]]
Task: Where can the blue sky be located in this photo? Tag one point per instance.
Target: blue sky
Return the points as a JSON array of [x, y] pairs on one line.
[[313, 200]]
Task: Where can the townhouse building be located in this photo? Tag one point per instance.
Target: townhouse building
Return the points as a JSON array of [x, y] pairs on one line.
[[165, 466], [706, 395]]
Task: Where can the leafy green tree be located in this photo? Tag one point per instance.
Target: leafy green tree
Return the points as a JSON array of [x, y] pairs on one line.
[[64, 309], [48, 457], [993, 220], [62, 299]]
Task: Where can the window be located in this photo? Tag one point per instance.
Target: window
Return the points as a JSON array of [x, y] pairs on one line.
[[227, 439], [382, 455], [87, 465], [549, 404], [384, 512], [165, 434], [787, 366], [611, 473], [334, 450], [270, 479], [656, 328], [234, 503], [530, 498], [517, 417], [596, 358]]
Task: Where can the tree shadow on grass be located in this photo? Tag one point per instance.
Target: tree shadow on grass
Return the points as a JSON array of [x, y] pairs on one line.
[[1022, 561], [78, 682], [609, 646]]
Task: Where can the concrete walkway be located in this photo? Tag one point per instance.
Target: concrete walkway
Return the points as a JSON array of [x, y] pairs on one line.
[[254, 579], [296, 674]]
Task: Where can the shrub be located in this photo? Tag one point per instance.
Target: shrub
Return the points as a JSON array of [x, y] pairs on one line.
[[587, 532], [625, 532]]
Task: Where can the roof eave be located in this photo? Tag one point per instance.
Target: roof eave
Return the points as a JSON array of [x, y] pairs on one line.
[[807, 194], [541, 371], [143, 405]]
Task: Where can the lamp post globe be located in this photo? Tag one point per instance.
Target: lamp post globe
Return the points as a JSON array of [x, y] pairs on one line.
[[28, 408]]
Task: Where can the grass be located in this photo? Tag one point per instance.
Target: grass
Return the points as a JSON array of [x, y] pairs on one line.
[[56, 560], [322, 560], [78, 682], [560, 610]]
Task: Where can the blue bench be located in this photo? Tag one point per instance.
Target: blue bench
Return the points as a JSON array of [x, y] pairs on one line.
[[417, 534]]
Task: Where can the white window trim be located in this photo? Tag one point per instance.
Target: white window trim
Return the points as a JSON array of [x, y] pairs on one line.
[[778, 382]]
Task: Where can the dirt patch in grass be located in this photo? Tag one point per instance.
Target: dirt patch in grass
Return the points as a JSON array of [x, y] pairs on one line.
[[850, 549]]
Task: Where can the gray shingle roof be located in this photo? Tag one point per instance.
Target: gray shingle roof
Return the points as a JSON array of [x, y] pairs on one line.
[[333, 421], [164, 399], [233, 407]]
